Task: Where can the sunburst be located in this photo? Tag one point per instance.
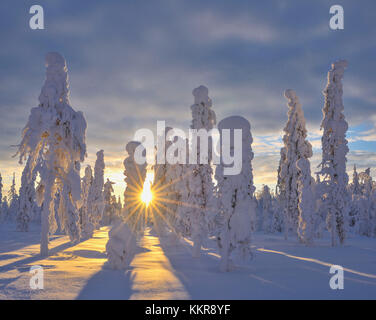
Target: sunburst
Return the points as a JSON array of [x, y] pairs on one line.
[[147, 193], [149, 201]]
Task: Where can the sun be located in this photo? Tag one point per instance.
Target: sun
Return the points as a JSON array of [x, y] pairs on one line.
[[146, 194]]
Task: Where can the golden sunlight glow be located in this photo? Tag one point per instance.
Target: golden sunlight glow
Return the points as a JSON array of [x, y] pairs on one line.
[[147, 194]]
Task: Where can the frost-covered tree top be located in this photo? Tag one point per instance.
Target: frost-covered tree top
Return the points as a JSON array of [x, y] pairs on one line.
[[334, 141], [12, 193], [295, 129], [134, 173], [108, 189], [56, 87], [245, 178], [54, 122], [202, 114], [366, 182], [355, 188], [99, 172], [88, 177]]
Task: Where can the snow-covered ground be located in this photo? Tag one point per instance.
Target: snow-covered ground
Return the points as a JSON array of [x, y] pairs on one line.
[[160, 270]]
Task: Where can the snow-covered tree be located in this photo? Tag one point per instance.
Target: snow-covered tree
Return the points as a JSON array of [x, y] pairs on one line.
[[307, 215], [110, 203], [134, 178], [334, 151], [320, 221], [119, 208], [27, 199], [4, 209], [265, 199], [179, 174], [355, 186], [236, 199], [280, 190], [201, 185], [87, 225], [277, 219], [54, 140], [295, 147], [96, 198], [365, 204], [14, 201], [163, 190], [355, 194]]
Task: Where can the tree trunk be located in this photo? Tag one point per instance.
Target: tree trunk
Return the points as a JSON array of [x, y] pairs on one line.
[[44, 218]]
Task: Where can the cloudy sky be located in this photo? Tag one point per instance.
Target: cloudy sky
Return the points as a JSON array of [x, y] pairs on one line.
[[132, 63]]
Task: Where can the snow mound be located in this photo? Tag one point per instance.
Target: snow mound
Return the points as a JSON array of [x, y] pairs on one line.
[[121, 246]]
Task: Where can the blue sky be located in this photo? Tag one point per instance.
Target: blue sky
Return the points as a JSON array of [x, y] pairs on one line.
[[134, 62]]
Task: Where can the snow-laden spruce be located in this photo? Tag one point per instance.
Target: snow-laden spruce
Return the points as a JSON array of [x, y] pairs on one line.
[[54, 139], [307, 215], [277, 220], [110, 210], [96, 199], [87, 226], [179, 175], [236, 199], [163, 191], [121, 246], [295, 147], [266, 207], [366, 205], [134, 178], [201, 186], [14, 203], [334, 150], [355, 192], [172, 193], [4, 209], [27, 199], [280, 190]]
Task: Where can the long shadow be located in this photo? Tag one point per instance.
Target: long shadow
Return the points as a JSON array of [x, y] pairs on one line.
[[5, 282], [203, 280], [108, 284], [22, 264], [190, 274], [12, 240]]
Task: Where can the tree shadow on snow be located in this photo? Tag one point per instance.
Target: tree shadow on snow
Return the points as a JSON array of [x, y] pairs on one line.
[[23, 264], [108, 284], [202, 278], [90, 254]]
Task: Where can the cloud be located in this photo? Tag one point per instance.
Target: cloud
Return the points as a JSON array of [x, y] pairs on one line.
[[131, 64], [212, 26]]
